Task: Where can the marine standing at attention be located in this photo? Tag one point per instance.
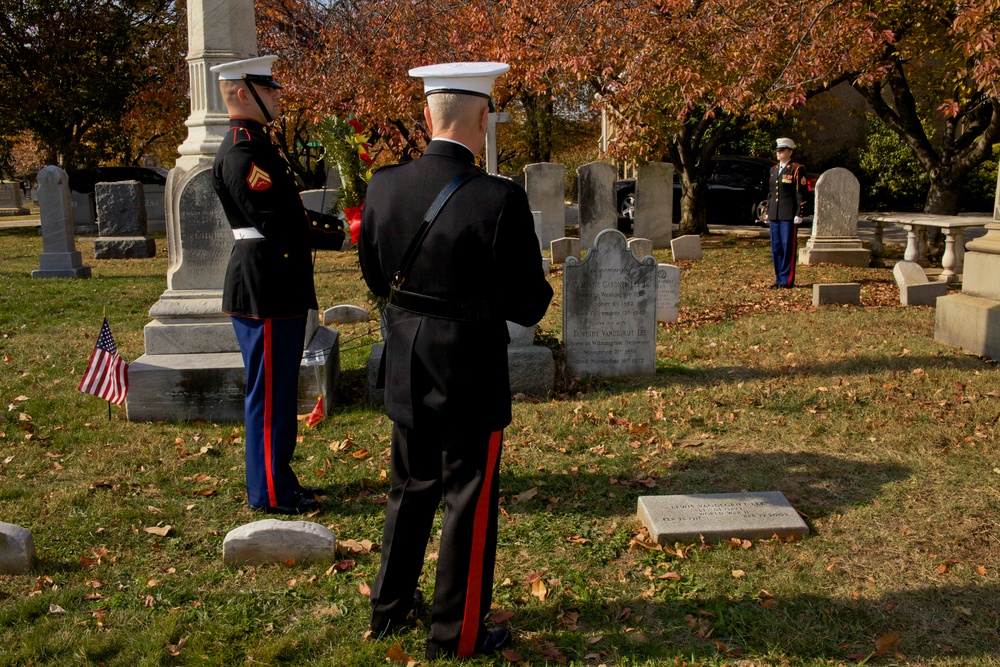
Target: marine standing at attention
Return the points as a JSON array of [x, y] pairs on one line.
[[452, 284], [787, 192], [268, 288]]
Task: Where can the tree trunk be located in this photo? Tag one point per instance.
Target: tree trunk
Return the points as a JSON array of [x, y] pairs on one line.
[[942, 197], [694, 194]]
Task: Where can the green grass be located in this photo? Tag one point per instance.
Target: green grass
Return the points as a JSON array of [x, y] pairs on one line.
[[882, 438]]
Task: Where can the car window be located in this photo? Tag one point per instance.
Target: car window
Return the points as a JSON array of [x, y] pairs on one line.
[[738, 174]]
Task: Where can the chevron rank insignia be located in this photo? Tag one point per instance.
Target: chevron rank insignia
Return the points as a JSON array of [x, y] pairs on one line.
[[258, 178]]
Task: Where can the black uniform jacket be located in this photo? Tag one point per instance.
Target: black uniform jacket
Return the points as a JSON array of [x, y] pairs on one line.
[[787, 192], [444, 372], [273, 276]]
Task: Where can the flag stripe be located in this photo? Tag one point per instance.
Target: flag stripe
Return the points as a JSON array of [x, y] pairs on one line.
[[106, 375]]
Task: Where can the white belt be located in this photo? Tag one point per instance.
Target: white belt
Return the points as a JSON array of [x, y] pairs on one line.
[[247, 233]]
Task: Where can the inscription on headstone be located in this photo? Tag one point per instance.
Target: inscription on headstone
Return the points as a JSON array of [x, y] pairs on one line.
[[719, 516], [668, 290], [200, 250], [609, 310]]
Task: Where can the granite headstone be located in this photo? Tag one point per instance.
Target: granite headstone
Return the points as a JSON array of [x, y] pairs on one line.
[[596, 193], [609, 310], [545, 184], [668, 289], [59, 258], [719, 516], [654, 203], [834, 238]]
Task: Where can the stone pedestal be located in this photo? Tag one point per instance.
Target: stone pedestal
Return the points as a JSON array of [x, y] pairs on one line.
[[835, 237], [971, 320], [59, 258], [192, 368]]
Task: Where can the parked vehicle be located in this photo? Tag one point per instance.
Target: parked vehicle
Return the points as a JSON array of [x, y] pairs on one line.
[[83, 180], [737, 193]]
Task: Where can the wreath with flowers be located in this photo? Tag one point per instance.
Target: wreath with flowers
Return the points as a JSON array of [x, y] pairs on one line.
[[345, 142]]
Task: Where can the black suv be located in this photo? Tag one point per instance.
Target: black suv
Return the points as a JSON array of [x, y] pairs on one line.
[[737, 188], [83, 180]]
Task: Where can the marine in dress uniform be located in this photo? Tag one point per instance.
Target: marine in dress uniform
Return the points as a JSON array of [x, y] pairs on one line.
[[787, 193], [447, 388], [268, 286]]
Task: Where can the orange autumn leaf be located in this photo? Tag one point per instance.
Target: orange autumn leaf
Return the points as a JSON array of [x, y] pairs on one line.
[[887, 643], [397, 654]]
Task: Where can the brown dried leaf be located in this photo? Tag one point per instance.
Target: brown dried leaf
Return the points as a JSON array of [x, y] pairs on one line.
[[175, 649], [539, 589], [161, 531], [364, 589], [501, 617], [512, 656], [526, 495], [887, 643]]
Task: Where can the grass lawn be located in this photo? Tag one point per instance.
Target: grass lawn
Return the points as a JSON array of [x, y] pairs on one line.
[[883, 439]]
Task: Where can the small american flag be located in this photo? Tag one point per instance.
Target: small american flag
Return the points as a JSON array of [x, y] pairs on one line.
[[107, 373]]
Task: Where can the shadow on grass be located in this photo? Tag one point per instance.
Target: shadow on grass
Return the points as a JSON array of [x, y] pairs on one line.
[[945, 622], [818, 485]]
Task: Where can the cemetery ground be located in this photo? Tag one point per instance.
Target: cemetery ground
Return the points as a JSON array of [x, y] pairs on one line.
[[884, 440]]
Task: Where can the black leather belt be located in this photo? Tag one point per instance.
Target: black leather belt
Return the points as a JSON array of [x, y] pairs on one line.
[[421, 304]]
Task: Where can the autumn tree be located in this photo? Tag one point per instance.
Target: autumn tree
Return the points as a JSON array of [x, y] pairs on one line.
[[74, 73], [698, 74], [932, 81]]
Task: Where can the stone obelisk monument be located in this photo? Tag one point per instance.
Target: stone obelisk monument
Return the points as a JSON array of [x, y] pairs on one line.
[[192, 368]]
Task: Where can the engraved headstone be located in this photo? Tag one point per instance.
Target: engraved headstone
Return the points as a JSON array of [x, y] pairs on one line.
[[914, 288], [654, 203], [59, 258], [562, 248], [17, 549], [545, 184], [10, 199], [609, 310], [275, 541], [836, 294], [719, 516], [834, 238], [121, 219], [84, 213], [121, 208], [668, 290], [640, 247], [686, 247], [345, 314], [596, 192]]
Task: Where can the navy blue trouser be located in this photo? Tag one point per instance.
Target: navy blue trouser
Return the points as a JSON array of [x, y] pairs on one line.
[[464, 467], [272, 352], [784, 241]]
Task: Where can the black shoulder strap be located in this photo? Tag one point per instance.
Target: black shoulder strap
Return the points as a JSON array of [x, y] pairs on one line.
[[429, 217]]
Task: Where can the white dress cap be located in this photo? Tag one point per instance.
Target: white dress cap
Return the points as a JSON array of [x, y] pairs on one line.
[[473, 78], [785, 142], [257, 70]]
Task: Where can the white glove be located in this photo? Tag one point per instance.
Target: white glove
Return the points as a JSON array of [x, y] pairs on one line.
[[798, 220]]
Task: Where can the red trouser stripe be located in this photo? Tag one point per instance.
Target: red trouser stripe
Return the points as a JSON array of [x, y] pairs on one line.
[[268, 412], [793, 255], [474, 588]]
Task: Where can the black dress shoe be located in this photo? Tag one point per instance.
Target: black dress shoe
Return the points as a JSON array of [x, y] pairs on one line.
[[310, 491], [774, 286], [496, 639], [301, 505]]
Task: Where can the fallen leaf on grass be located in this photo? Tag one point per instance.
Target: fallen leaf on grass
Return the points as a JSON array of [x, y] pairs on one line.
[[981, 571], [56, 609], [513, 656], [887, 643], [501, 617], [526, 496], [162, 531], [289, 563], [397, 654], [569, 620], [595, 639], [737, 574], [539, 589], [964, 610], [364, 589], [551, 652], [576, 539], [175, 649], [360, 454]]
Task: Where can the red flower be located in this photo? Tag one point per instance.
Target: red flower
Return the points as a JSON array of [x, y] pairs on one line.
[[358, 127]]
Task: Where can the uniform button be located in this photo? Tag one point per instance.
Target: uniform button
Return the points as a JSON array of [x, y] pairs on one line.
[[327, 226], [286, 255]]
